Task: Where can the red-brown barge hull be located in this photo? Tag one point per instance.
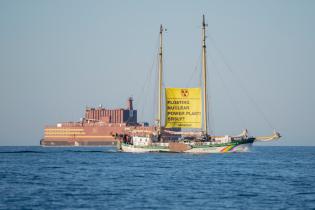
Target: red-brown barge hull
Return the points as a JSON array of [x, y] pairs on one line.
[[97, 128]]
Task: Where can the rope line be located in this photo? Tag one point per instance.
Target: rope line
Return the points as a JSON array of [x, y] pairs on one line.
[[230, 96], [143, 97], [255, 105]]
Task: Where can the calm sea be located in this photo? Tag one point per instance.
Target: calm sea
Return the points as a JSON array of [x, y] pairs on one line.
[[101, 178]]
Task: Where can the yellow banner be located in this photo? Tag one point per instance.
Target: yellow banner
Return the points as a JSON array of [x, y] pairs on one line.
[[183, 108]]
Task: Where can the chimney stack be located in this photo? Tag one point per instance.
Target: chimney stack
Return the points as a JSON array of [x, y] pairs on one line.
[[129, 103]]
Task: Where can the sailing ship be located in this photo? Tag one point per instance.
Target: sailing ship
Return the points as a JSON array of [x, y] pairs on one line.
[[178, 101]]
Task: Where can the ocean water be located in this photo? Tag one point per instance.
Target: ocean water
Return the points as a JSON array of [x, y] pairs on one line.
[[101, 178]]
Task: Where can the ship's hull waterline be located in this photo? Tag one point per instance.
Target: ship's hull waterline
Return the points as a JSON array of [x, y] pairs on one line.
[[231, 148]]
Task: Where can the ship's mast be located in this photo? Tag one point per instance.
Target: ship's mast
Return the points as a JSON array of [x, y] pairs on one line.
[[204, 76], [159, 120]]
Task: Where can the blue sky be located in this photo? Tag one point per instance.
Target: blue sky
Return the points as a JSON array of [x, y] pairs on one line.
[[56, 57]]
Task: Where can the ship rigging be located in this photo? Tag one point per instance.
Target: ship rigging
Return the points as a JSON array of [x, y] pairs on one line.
[[164, 139]]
